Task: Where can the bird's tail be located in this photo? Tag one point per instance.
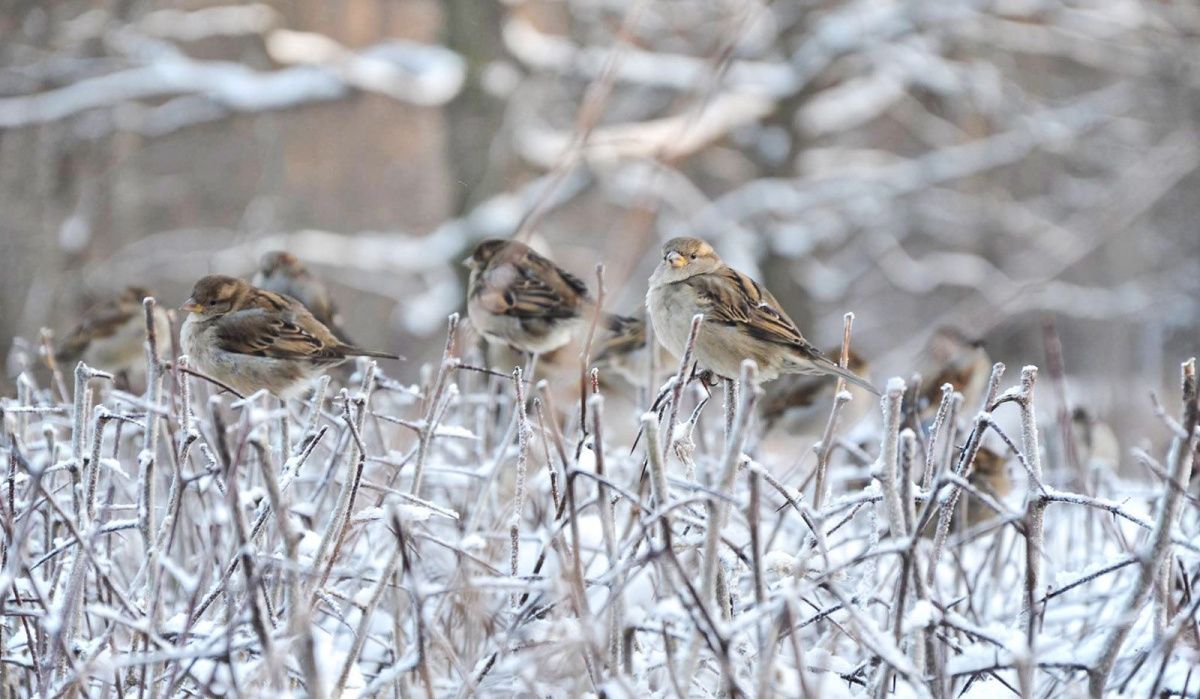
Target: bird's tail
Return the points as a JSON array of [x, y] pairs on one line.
[[828, 366], [352, 351]]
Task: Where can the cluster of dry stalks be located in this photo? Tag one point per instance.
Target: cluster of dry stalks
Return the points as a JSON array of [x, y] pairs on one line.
[[462, 536]]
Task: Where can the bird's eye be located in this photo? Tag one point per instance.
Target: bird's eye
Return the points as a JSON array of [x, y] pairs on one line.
[[693, 255]]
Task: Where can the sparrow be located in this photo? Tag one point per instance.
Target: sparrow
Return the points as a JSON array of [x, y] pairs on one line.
[[956, 359], [283, 273], [112, 335], [518, 298], [252, 339], [805, 399], [742, 320]]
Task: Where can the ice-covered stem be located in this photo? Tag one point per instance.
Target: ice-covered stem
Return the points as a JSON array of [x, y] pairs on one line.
[[608, 529], [1035, 504], [935, 431], [585, 352], [890, 403], [824, 448], [681, 379], [514, 524], [259, 620], [717, 508], [362, 631], [435, 408], [965, 460], [340, 517], [1157, 551]]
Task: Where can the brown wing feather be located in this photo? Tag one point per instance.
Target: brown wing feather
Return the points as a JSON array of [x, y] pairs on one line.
[[271, 325], [99, 322], [524, 284], [733, 298]]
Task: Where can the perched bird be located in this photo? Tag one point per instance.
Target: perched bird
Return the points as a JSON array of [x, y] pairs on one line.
[[518, 298], [806, 399], [282, 273], [956, 359], [742, 320], [251, 339], [112, 335]]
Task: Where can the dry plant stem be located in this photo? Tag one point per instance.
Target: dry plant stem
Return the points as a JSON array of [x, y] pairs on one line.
[[681, 379], [435, 407], [1035, 504], [339, 520], [52, 364], [889, 457], [965, 461], [841, 397], [611, 545], [514, 525], [259, 620], [364, 623], [717, 508], [1157, 551], [585, 352], [934, 432]]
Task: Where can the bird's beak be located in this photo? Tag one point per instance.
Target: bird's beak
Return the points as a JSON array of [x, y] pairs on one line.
[[469, 262], [192, 307], [676, 260]]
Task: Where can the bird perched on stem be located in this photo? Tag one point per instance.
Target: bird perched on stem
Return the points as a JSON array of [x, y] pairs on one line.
[[518, 298], [283, 273], [742, 320], [112, 335], [251, 339]]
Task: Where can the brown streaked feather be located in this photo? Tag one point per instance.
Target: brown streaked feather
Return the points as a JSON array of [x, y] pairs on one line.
[[732, 298], [266, 324], [516, 281], [102, 321], [623, 335]]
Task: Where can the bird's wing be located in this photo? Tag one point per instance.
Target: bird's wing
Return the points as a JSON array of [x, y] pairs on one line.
[[99, 322], [529, 286], [268, 330], [622, 335], [732, 298]]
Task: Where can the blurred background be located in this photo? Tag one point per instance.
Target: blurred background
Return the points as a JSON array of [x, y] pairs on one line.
[[992, 166]]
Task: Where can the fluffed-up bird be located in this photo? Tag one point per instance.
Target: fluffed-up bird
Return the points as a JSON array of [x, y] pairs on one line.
[[251, 339], [742, 320], [283, 273], [112, 335], [519, 298]]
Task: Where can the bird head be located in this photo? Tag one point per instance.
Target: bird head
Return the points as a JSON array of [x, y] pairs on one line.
[[216, 295], [488, 250], [280, 262], [683, 258]]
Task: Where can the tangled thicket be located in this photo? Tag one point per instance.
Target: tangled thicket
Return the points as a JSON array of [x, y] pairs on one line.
[[468, 536]]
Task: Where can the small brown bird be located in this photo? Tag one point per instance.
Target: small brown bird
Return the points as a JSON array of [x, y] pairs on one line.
[[253, 339], [282, 273], [112, 335], [742, 320], [518, 298], [958, 360], [806, 399]]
